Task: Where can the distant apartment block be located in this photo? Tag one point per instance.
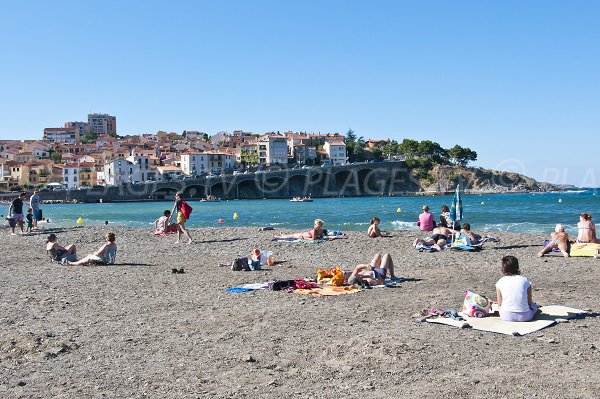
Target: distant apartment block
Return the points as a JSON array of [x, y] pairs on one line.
[[61, 135], [102, 124], [272, 150], [83, 127]]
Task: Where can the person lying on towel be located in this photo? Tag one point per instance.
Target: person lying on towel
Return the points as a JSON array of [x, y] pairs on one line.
[[438, 238], [375, 272]]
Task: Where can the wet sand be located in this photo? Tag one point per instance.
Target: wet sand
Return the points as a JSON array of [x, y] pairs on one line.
[[136, 330]]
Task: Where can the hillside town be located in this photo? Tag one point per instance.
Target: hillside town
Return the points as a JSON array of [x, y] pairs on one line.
[[86, 154]]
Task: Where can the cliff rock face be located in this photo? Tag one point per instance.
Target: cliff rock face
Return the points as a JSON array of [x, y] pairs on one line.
[[445, 178]]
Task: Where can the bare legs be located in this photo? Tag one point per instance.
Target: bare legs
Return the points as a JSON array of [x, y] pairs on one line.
[[181, 229], [562, 245], [365, 272]]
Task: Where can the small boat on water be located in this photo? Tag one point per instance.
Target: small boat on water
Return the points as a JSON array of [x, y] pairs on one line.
[[210, 198], [301, 199]]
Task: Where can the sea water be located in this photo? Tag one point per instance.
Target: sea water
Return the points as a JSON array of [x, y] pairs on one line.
[[527, 212]]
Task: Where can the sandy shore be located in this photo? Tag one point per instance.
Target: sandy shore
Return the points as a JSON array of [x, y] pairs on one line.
[[136, 330]]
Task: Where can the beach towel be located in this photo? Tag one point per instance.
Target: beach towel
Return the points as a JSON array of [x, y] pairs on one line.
[[556, 249], [549, 316], [316, 241], [425, 248], [248, 287], [584, 249], [327, 291]]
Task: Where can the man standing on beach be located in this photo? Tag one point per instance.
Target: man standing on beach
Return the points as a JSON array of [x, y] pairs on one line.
[[16, 212], [34, 203]]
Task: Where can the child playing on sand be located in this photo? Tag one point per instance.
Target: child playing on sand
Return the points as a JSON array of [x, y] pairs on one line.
[[374, 228], [29, 218], [514, 293], [104, 256]]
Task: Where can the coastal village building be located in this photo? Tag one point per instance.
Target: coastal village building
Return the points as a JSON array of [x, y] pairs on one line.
[[272, 150], [143, 165], [336, 151], [194, 163], [87, 174], [248, 153], [102, 124], [71, 176], [120, 171], [168, 172], [61, 135], [219, 162]]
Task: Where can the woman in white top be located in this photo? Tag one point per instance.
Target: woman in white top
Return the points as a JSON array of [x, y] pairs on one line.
[[514, 293]]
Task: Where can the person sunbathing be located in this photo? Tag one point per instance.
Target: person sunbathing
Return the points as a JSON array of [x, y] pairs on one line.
[[373, 273], [514, 293], [104, 256], [312, 234], [57, 251], [438, 238], [586, 229], [558, 239]]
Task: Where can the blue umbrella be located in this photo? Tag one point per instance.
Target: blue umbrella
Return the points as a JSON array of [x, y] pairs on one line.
[[456, 210]]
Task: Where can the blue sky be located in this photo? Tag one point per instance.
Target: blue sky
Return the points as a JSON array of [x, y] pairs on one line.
[[517, 82]]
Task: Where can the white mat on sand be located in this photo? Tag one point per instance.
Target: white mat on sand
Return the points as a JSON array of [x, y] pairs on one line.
[[542, 320]]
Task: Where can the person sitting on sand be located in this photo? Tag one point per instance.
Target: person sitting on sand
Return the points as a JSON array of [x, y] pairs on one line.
[[514, 293], [426, 222], [375, 272], [104, 256], [445, 217], [162, 225], [312, 234], [466, 231], [374, 228], [438, 238], [558, 239], [58, 252], [586, 229]]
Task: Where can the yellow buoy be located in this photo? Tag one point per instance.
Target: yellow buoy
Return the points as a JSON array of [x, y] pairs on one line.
[[80, 220], [398, 210], [235, 216]]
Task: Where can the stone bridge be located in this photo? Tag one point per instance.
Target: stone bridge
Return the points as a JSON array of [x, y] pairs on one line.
[[367, 179]]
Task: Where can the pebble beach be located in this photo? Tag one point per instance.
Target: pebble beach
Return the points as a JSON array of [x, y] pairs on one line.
[[137, 330]]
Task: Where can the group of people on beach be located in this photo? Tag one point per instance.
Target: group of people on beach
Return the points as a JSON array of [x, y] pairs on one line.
[[26, 218], [559, 239], [513, 291]]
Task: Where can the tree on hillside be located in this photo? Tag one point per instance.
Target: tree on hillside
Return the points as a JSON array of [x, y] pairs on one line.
[[391, 149], [355, 146], [88, 138], [433, 151], [409, 148], [461, 155]]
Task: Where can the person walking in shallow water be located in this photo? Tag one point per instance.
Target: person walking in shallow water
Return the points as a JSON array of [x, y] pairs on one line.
[[181, 219]]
